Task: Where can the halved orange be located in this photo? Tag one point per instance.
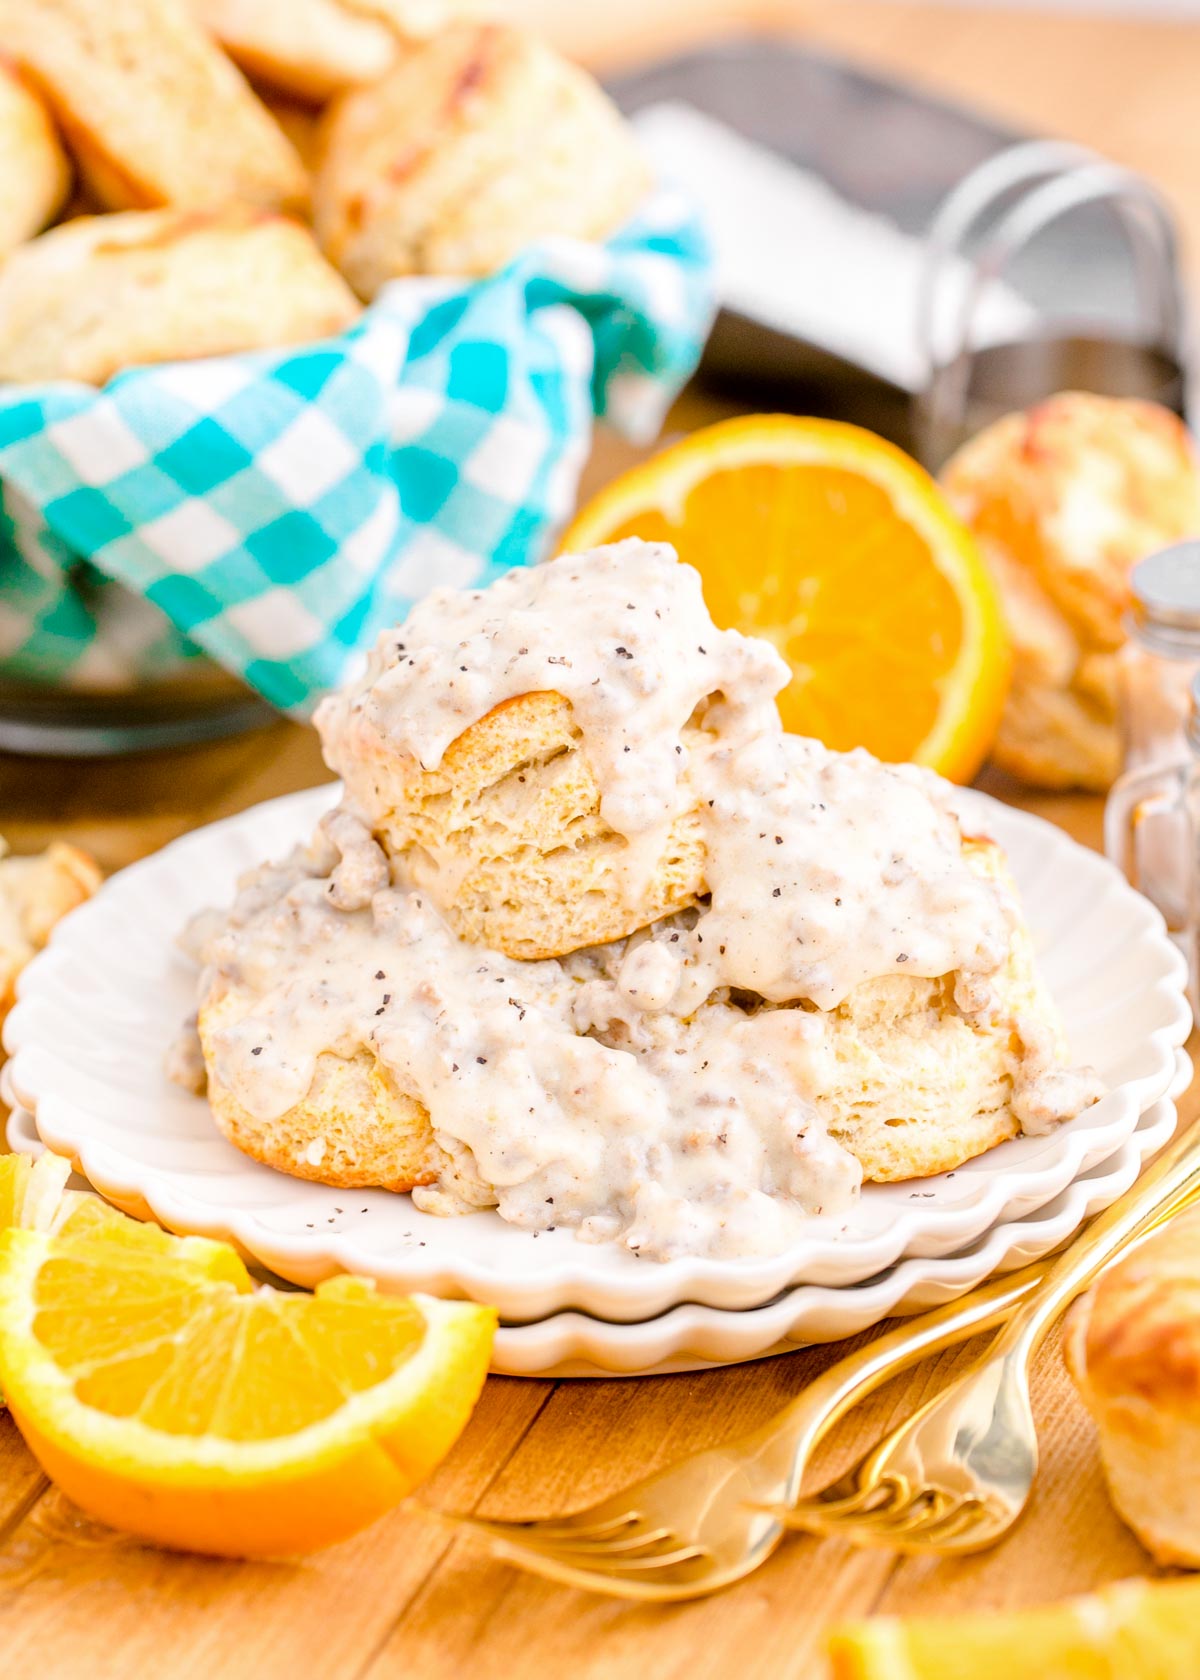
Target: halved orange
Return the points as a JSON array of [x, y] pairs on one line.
[[1135, 1630], [843, 552], [168, 1396]]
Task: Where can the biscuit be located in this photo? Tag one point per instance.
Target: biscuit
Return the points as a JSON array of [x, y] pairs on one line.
[[354, 1128], [35, 894], [911, 1087], [152, 110], [1065, 500], [309, 48], [476, 143], [506, 834], [1132, 1346], [108, 292], [35, 175], [314, 49]]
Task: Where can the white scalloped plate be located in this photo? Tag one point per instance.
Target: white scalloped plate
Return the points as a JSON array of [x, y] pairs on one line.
[[99, 1007], [691, 1337]]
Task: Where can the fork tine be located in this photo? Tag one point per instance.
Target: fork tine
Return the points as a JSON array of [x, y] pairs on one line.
[[867, 1524], [934, 1520], [819, 1513], [558, 1548], [552, 1531], [582, 1556], [629, 1545], [596, 1568], [588, 1550], [622, 1565], [865, 1498], [531, 1541], [921, 1513], [960, 1520]]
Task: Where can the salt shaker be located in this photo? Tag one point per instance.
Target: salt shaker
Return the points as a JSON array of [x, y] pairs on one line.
[[1161, 656], [1146, 831]]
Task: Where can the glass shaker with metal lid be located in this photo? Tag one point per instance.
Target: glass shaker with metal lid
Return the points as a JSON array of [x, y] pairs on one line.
[[1162, 655], [1145, 828]]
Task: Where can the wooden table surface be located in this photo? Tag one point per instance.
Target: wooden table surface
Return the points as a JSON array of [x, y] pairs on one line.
[[407, 1598]]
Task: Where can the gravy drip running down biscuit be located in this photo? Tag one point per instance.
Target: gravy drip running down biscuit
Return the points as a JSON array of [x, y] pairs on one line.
[[685, 1088]]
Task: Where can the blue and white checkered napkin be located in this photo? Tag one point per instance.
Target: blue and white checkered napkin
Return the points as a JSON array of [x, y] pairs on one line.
[[277, 509]]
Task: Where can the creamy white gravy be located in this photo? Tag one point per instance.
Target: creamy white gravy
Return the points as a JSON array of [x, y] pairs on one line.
[[578, 1108], [644, 1090], [623, 633]]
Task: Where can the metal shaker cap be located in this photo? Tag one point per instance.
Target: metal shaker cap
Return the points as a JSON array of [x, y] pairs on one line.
[[1165, 599]]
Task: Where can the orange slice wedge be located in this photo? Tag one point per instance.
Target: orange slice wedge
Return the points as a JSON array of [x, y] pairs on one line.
[[842, 551], [1135, 1630], [31, 1192], [168, 1396]]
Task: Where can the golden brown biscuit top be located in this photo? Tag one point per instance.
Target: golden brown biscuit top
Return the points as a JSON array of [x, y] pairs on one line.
[[1142, 1335], [35, 894], [1077, 490]]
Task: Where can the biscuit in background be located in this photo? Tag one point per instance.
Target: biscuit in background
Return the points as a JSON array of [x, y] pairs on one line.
[[476, 143], [152, 110], [35, 174], [300, 122], [308, 48], [417, 20], [313, 49], [107, 292], [35, 894], [1132, 1346], [1065, 499]]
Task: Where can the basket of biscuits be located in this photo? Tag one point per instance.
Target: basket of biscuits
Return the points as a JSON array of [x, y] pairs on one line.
[[303, 311]]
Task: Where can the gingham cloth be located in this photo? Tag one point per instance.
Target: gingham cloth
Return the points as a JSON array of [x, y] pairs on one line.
[[275, 510]]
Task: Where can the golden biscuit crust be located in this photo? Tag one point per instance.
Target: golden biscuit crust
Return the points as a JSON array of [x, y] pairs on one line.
[[35, 894], [477, 142], [507, 838], [354, 1128], [1065, 500], [35, 175], [152, 110], [1132, 1346], [315, 49], [309, 48], [107, 292]]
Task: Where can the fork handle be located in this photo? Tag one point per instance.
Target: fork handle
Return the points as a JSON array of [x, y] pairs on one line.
[[802, 1424], [1170, 1185], [798, 1427]]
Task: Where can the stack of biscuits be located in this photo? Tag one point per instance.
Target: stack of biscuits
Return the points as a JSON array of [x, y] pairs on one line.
[[240, 174], [506, 837]]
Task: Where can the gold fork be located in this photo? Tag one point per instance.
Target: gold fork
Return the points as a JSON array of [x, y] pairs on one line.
[[956, 1476], [707, 1520], [712, 1518]]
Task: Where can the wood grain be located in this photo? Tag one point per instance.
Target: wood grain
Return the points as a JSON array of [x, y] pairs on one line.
[[409, 1598]]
